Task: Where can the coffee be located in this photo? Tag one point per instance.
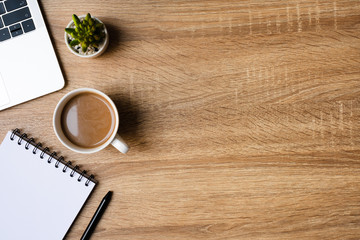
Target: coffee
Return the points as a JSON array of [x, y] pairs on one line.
[[87, 120]]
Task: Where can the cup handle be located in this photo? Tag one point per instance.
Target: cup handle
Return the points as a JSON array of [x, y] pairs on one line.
[[120, 144]]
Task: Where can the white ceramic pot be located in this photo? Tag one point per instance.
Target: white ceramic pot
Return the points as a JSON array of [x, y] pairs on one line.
[[102, 46]]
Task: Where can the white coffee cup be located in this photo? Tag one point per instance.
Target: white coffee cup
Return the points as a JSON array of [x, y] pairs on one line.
[[114, 139]]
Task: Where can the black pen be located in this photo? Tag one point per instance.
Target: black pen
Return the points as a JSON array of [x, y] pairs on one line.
[[95, 219]]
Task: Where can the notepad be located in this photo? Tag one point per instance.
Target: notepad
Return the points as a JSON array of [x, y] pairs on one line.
[[40, 193]]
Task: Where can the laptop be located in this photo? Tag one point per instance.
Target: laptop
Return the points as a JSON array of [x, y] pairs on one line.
[[28, 64]]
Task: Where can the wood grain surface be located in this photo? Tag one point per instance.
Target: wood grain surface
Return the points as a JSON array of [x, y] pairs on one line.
[[242, 117]]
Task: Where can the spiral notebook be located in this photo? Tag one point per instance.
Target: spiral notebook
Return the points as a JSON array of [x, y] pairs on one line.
[[40, 193]]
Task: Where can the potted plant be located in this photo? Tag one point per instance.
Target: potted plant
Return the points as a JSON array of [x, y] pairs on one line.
[[86, 36]]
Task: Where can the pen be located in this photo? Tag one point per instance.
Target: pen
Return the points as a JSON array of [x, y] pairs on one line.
[[95, 219]]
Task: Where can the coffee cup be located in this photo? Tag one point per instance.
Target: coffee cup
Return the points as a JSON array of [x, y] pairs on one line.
[[86, 120]]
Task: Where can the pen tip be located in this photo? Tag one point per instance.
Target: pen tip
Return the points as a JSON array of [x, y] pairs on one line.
[[109, 194]]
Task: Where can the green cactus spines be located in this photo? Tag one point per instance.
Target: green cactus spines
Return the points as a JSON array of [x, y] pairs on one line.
[[69, 30], [87, 32], [74, 42], [84, 46], [88, 17], [76, 20]]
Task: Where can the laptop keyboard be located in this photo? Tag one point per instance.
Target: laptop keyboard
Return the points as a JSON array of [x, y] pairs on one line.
[[15, 19]]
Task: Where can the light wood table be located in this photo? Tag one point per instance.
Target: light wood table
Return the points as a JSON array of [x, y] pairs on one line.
[[242, 117]]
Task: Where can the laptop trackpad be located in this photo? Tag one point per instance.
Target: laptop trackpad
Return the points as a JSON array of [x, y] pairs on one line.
[[4, 98]]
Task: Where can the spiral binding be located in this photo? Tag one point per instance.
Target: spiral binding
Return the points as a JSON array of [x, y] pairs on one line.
[[52, 155]]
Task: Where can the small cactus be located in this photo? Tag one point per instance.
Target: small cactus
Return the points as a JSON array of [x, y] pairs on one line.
[[87, 32]]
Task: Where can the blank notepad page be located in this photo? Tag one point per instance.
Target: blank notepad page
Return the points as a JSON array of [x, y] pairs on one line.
[[37, 200]]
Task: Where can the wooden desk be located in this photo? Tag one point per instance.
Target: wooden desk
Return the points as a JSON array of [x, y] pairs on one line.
[[242, 117]]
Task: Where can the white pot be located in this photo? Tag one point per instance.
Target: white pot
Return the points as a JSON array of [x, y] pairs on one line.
[[102, 46]]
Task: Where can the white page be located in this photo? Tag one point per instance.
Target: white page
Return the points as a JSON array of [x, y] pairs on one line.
[[37, 200]]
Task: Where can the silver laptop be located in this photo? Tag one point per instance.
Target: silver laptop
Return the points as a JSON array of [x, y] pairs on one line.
[[28, 65]]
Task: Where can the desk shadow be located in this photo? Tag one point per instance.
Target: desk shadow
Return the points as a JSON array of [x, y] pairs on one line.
[[130, 123], [116, 37]]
